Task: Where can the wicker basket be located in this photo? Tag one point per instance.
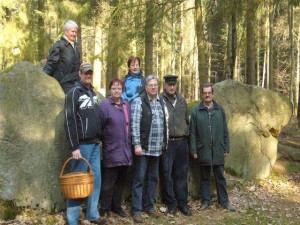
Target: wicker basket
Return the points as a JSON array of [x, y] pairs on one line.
[[76, 184]]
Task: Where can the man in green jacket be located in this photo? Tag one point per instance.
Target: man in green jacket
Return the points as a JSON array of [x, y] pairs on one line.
[[209, 144]]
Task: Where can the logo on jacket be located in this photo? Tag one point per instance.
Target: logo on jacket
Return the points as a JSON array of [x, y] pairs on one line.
[[86, 101]]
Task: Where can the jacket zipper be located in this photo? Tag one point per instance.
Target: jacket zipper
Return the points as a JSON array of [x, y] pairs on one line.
[[86, 126]]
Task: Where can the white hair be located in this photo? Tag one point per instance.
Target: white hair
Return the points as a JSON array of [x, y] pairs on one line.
[[151, 77], [70, 24]]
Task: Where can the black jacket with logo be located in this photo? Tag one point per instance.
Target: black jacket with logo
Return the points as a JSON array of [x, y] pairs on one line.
[[63, 61], [82, 116]]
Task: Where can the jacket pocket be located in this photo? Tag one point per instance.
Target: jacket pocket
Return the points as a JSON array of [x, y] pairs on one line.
[[111, 147]]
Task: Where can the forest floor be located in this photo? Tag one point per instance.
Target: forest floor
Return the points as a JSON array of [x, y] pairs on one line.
[[274, 200]]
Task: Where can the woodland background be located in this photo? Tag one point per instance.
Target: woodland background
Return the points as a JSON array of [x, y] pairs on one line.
[[253, 41]]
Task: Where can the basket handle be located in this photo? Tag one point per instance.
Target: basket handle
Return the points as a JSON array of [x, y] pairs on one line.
[[69, 159]]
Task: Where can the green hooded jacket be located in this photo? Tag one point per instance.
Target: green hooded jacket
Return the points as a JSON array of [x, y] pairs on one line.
[[209, 137]]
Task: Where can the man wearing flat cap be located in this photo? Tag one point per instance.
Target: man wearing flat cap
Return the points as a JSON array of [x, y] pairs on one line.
[[82, 119], [175, 157]]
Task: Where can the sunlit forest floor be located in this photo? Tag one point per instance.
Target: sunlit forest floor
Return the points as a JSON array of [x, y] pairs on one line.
[[275, 200]]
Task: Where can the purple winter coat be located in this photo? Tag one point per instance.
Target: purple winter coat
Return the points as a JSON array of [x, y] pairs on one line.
[[116, 144]]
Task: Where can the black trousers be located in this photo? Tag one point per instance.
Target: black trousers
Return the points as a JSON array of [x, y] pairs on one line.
[[175, 170], [220, 184], [113, 184]]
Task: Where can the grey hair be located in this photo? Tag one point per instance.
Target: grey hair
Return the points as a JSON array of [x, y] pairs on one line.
[[70, 24], [151, 77]]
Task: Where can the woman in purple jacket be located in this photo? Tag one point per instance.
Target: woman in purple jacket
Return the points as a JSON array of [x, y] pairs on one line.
[[116, 148]]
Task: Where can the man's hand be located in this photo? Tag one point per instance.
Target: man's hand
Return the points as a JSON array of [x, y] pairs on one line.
[[226, 154], [76, 154], [195, 156], [138, 151]]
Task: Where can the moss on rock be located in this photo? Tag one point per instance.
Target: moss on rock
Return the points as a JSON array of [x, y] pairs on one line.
[[8, 210]]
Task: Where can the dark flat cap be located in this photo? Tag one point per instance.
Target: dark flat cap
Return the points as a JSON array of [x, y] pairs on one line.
[[170, 79]]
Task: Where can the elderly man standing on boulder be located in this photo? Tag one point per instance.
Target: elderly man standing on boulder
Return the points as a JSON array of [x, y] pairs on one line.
[[82, 119], [64, 58], [175, 157], [209, 144]]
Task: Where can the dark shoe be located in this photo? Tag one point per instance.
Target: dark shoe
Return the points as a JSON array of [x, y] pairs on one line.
[[229, 207], [185, 211], [203, 206], [171, 212], [103, 213], [121, 213], [99, 221], [153, 214], [137, 217]]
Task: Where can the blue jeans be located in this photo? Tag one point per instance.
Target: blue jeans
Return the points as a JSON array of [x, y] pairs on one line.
[[90, 152], [145, 170]]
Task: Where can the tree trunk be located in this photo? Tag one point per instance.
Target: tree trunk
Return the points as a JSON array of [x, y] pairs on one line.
[[41, 31], [202, 70], [258, 62], [293, 94], [250, 58], [231, 46], [188, 77], [112, 43], [79, 36], [98, 63], [149, 29], [270, 55], [297, 91]]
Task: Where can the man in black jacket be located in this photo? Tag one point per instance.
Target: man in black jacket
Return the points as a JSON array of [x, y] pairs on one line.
[[175, 157], [82, 119], [64, 58]]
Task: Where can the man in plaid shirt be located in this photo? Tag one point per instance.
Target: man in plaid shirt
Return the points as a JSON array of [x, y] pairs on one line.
[[149, 137]]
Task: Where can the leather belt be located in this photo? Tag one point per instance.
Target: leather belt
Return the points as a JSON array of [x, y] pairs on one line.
[[177, 138]]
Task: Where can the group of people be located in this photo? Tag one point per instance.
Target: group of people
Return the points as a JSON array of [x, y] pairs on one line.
[[140, 127]]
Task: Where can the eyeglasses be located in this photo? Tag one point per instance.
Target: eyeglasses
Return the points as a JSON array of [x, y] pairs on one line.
[[116, 89], [152, 85]]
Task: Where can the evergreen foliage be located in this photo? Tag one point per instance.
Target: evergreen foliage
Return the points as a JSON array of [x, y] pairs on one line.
[[199, 40]]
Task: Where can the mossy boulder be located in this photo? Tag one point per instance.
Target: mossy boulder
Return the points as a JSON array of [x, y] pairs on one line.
[[32, 139]]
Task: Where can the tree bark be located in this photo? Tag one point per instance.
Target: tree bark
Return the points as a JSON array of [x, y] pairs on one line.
[[98, 63], [112, 44], [270, 55], [41, 31], [202, 70], [149, 30], [293, 93], [250, 58], [231, 46]]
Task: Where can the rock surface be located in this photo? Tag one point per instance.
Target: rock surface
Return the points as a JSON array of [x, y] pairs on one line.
[[255, 118], [32, 139]]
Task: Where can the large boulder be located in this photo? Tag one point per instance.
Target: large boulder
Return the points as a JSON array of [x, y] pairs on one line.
[[32, 139], [255, 117]]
